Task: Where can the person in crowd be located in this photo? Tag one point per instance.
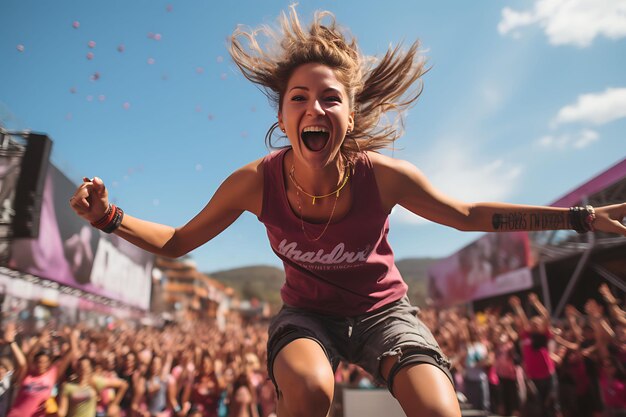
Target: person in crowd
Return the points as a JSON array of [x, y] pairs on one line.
[[207, 388], [109, 398], [538, 362], [506, 364], [80, 398], [35, 389], [476, 363], [11, 373], [130, 374], [613, 387], [152, 389], [242, 401]]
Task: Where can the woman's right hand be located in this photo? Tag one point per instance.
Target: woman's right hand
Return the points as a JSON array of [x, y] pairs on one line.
[[90, 200]]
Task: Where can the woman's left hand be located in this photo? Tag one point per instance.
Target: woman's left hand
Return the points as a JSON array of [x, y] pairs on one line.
[[609, 219]]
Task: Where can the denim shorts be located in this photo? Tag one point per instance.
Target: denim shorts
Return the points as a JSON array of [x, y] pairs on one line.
[[363, 340]]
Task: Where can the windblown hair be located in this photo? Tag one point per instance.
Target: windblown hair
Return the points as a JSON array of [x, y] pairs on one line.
[[378, 88]]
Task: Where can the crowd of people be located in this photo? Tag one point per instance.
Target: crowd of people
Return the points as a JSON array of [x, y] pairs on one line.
[[510, 364], [190, 369], [506, 364]]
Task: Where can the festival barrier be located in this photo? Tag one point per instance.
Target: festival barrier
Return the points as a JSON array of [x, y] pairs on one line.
[[370, 403]]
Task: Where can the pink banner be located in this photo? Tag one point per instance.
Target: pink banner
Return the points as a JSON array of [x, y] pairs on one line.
[[69, 251], [496, 263]]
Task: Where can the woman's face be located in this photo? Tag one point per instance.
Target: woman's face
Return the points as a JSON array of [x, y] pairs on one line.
[[315, 114], [130, 361], [207, 365], [84, 368], [41, 364], [537, 325]]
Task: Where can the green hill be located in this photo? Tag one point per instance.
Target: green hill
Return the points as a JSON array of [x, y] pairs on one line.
[[415, 274], [264, 282], [257, 281]]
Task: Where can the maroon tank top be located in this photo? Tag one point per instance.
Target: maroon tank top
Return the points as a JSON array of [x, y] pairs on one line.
[[350, 270]]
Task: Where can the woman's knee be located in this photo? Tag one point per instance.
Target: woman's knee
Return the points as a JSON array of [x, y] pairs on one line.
[[305, 378], [423, 390]]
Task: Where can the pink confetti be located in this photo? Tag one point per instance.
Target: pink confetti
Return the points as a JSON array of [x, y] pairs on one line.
[[253, 109], [199, 70], [157, 36], [198, 109], [75, 24], [151, 61], [126, 105], [20, 47], [95, 76], [89, 97], [101, 97], [150, 35], [220, 59], [121, 47], [244, 134], [169, 7], [210, 117], [73, 90], [223, 76], [91, 44], [69, 116], [90, 55], [165, 77]]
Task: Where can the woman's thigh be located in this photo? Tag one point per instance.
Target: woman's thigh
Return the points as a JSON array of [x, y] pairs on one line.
[[423, 389]]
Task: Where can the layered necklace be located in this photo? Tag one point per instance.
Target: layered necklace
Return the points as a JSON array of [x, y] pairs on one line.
[[299, 189]]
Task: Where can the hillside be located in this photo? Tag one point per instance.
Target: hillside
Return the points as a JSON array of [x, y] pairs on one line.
[[264, 282], [415, 273], [257, 281]]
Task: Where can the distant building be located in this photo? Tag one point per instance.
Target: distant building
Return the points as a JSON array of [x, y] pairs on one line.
[[187, 293]]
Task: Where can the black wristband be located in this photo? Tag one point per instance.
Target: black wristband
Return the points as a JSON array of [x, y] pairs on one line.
[[581, 218], [116, 222]]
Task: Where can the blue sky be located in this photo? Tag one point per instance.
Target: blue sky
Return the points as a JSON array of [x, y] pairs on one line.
[[525, 101]]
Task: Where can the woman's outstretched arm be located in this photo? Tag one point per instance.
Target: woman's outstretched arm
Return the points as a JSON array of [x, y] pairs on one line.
[[400, 182], [241, 191]]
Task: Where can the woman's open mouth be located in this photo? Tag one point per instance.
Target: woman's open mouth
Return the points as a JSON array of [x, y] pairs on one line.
[[315, 137]]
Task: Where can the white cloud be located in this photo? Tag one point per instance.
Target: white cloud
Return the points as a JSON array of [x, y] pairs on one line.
[[598, 109], [567, 141], [462, 176], [570, 22]]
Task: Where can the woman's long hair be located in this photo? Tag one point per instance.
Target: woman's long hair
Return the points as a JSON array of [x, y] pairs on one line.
[[380, 90]]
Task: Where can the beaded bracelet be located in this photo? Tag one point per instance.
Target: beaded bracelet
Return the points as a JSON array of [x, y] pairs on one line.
[[582, 218], [111, 220], [106, 219], [116, 222]]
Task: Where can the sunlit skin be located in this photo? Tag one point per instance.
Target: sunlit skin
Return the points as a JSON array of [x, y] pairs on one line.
[[3, 371], [130, 362], [109, 362], [156, 366], [537, 325], [41, 364], [85, 370], [207, 366], [315, 97]]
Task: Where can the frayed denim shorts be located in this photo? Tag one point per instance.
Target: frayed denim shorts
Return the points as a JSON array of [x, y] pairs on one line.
[[364, 340]]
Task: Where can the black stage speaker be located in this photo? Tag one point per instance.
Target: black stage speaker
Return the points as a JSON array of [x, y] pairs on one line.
[[30, 185]]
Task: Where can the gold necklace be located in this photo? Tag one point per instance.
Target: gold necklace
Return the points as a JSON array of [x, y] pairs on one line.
[[332, 213], [292, 176], [309, 238]]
